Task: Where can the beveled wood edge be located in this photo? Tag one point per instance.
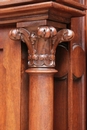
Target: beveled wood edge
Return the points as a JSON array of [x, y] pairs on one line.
[[40, 6], [37, 23], [19, 2], [69, 3], [73, 4], [22, 19], [41, 70]]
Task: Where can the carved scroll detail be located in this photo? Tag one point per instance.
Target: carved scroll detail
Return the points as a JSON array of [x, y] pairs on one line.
[[42, 44]]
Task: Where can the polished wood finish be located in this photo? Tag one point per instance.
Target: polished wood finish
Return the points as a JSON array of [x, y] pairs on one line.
[[42, 45], [51, 10], [74, 4], [10, 80], [78, 66], [7, 3], [24, 100], [41, 98], [80, 82], [35, 24], [41, 57], [33, 99]]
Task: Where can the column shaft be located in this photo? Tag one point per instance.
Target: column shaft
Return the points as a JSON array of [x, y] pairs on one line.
[[41, 100]]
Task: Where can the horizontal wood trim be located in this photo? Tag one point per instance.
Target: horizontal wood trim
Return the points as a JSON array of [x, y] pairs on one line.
[[21, 19], [7, 3], [33, 25], [73, 4], [12, 12]]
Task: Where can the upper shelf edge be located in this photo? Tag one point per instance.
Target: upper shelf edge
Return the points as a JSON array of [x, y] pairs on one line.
[[41, 6], [73, 4], [69, 3]]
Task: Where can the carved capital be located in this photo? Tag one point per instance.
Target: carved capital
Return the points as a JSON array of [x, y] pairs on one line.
[[42, 44]]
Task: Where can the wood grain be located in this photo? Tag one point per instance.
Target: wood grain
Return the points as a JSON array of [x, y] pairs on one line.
[[62, 61], [60, 104], [78, 61], [10, 88], [13, 12], [23, 103], [2, 93], [24, 100], [80, 83], [41, 98]]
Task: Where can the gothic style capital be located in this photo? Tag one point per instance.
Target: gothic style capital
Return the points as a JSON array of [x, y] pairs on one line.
[[42, 44]]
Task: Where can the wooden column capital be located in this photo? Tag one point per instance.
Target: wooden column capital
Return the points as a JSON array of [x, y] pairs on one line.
[[42, 43]]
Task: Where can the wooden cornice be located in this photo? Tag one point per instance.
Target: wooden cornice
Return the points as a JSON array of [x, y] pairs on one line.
[[41, 6], [69, 3], [14, 14], [73, 4], [19, 2]]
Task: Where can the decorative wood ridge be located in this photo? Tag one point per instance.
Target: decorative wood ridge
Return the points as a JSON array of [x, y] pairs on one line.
[[42, 44], [69, 3], [73, 4], [78, 55], [43, 5], [43, 10]]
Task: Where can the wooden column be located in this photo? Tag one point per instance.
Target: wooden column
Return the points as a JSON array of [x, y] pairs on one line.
[[41, 98], [42, 46]]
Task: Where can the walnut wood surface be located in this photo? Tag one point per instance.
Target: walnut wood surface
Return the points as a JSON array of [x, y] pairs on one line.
[[41, 98], [60, 104], [77, 87], [41, 102], [10, 71], [11, 14], [24, 100], [72, 3], [7, 3], [62, 63], [42, 43], [69, 91], [35, 24], [78, 55], [2, 92]]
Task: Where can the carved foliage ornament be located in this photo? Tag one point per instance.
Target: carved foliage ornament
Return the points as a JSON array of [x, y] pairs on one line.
[[42, 44]]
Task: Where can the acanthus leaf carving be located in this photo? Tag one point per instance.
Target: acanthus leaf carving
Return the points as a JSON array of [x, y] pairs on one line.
[[42, 44]]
